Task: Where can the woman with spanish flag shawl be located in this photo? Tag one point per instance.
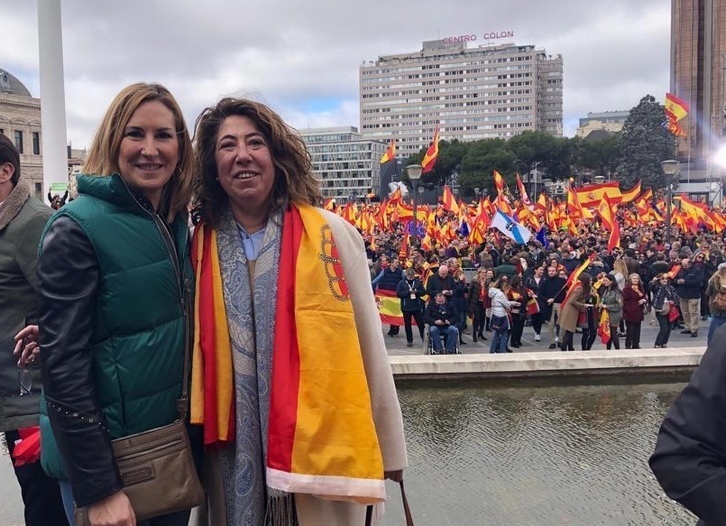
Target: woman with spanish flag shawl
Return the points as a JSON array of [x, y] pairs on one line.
[[290, 376]]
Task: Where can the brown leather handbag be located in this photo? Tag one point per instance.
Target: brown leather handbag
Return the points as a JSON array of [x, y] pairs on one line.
[[157, 466]]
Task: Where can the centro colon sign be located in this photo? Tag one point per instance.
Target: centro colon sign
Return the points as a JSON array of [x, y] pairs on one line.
[[473, 38]]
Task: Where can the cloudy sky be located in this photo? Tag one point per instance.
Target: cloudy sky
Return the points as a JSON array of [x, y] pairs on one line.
[[302, 58]]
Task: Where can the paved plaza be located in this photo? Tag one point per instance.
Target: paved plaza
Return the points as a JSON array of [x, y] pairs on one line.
[[397, 344]]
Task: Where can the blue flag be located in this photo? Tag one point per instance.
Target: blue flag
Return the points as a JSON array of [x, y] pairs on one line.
[[464, 229], [542, 237]]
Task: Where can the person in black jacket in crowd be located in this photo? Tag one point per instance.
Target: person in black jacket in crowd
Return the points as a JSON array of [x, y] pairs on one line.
[[689, 460], [689, 281], [410, 290], [441, 317], [441, 282], [534, 283], [551, 295], [388, 279]]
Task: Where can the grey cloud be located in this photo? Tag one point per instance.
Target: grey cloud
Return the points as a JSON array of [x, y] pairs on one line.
[[286, 52]]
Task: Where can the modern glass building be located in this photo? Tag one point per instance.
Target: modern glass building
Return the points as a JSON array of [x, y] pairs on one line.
[[346, 163]]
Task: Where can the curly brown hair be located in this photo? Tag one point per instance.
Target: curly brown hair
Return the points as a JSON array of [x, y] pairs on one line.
[[103, 155], [294, 181]]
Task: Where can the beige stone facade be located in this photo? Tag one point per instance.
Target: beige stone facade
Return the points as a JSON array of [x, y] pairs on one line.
[[20, 121], [610, 121]]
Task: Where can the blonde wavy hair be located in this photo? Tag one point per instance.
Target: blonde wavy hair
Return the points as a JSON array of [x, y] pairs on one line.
[[103, 155]]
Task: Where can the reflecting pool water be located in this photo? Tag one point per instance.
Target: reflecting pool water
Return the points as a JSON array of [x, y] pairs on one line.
[[534, 455]]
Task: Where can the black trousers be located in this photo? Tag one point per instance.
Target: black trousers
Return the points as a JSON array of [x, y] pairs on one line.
[[614, 339], [537, 320], [632, 334], [589, 333], [480, 319], [567, 342], [665, 329], [416, 315], [517, 329], [41, 494]]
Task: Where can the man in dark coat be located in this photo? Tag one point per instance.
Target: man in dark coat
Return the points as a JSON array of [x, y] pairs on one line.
[[551, 295], [441, 317], [410, 290], [22, 220], [690, 454], [441, 282], [688, 283]]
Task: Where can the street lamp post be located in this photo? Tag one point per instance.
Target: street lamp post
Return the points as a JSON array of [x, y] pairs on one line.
[[414, 174], [671, 169]]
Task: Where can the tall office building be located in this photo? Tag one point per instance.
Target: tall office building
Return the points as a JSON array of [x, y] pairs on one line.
[[346, 163], [470, 93], [698, 73]]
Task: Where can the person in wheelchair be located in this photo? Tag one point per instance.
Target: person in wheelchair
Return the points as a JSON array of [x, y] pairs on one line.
[[441, 317]]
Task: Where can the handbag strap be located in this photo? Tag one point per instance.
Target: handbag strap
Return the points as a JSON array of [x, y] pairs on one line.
[[182, 404], [406, 509]]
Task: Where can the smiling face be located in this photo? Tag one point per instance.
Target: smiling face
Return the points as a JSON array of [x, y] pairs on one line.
[[149, 150], [244, 166]]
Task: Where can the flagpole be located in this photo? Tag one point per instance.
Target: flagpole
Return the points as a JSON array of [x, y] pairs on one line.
[[52, 93], [414, 173]]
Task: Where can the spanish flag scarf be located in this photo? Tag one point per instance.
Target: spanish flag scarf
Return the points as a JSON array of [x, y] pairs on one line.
[[321, 434]]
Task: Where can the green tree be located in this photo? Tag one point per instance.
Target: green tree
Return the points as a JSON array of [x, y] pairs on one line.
[[480, 161], [644, 143], [600, 155]]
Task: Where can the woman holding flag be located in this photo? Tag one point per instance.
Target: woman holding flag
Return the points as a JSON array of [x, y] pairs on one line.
[[664, 300], [611, 301]]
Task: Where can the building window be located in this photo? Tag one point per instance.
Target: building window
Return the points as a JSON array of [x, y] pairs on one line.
[[36, 143], [19, 140], [39, 190]]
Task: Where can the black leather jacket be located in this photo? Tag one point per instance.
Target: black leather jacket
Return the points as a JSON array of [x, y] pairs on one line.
[[68, 280]]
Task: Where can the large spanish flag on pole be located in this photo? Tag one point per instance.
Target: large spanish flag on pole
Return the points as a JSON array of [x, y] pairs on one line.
[[591, 195], [676, 110], [431, 154]]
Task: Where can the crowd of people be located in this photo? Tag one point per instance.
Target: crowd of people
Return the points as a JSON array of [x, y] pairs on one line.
[[562, 288]]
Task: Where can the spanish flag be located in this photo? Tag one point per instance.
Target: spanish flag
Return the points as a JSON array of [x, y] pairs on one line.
[[610, 222], [390, 154], [431, 154], [630, 195], [603, 328], [591, 195], [676, 109], [448, 201], [499, 182]]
